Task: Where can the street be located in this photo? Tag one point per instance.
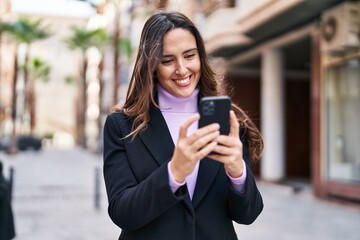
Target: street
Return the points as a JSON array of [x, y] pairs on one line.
[[54, 198]]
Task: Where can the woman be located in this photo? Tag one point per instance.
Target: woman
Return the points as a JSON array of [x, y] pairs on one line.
[[165, 178]]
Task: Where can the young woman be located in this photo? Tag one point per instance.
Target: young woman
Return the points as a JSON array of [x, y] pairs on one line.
[[165, 177]]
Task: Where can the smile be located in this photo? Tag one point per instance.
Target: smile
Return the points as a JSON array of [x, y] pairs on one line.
[[183, 82]]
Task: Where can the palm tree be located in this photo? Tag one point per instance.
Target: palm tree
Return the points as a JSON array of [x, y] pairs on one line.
[[26, 31], [115, 41], [82, 39], [101, 40], [10, 29], [2, 112], [32, 31], [38, 70], [1, 31]]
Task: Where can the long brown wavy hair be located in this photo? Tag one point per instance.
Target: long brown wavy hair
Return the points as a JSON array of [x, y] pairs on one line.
[[141, 94]]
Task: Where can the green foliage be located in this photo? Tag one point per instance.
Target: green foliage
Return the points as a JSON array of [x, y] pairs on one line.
[[25, 30], [100, 37], [84, 39], [125, 47], [48, 135], [70, 79], [39, 69], [4, 27]]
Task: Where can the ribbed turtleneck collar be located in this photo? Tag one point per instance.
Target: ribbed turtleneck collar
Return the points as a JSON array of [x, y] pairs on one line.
[[171, 103]]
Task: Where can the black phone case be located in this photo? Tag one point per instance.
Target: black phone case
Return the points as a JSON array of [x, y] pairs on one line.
[[215, 110]]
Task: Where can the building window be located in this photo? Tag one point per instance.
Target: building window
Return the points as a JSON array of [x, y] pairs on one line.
[[343, 122]]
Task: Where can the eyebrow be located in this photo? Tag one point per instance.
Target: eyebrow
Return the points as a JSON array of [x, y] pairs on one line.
[[187, 51]]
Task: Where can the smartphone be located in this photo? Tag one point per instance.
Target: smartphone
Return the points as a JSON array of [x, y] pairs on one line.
[[215, 110]]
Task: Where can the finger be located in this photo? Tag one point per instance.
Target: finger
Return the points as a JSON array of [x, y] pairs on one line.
[[201, 132], [218, 157], [223, 150], [206, 150], [227, 141], [201, 142], [228, 146], [234, 125], [229, 164], [185, 125]]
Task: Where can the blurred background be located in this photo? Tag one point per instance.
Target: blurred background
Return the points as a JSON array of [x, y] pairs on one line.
[[292, 65]]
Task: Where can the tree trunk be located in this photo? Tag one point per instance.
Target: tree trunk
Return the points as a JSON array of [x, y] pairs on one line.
[[83, 105], [27, 91], [101, 110], [116, 38], [0, 66], [2, 108], [77, 115], [32, 106], [13, 145]]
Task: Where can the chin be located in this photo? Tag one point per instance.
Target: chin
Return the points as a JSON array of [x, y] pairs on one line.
[[185, 94]]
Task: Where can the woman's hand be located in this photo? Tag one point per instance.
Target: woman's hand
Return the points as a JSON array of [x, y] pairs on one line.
[[191, 149], [230, 149]]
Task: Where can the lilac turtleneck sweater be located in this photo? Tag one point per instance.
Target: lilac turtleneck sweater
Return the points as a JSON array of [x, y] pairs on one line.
[[175, 111]]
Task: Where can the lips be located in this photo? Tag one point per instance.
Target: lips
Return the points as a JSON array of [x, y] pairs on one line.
[[183, 82]]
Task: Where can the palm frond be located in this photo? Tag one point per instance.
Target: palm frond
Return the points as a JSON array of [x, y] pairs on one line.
[[25, 30], [39, 69], [83, 39]]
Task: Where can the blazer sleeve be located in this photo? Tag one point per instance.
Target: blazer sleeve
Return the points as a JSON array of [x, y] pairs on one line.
[[132, 204], [246, 207]]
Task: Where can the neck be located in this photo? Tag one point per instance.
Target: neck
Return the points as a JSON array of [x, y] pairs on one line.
[[171, 103]]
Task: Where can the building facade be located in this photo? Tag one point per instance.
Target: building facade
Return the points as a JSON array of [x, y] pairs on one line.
[[56, 99], [295, 68]]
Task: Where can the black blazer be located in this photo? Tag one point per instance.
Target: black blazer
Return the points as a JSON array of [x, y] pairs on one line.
[[141, 202], [7, 226]]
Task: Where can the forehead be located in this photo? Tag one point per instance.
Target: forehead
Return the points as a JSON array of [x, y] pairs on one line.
[[178, 40]]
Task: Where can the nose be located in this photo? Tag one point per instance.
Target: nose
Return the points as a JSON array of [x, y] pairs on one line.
[[181, 68]]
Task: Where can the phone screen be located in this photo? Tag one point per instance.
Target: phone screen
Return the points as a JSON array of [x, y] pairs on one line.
[[215, 110]]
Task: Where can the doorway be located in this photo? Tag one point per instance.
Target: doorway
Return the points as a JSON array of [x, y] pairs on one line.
[[246, 83]]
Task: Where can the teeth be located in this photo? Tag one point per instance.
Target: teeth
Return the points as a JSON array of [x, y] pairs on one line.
[[182, 81]]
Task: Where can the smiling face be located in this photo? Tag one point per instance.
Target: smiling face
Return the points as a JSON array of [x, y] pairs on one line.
[[179, 69]]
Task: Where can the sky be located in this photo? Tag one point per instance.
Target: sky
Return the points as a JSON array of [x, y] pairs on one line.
[[66, 8]]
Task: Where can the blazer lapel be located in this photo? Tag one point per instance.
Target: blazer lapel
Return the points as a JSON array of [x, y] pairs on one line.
[[157, 137], [158, 141], [207, 173]]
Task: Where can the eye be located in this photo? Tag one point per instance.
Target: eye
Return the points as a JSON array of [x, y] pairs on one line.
[[190, 56], [166, 61]]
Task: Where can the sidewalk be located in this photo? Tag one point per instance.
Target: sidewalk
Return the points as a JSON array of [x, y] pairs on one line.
[[290, 215], [54, 196], [54, 199]]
